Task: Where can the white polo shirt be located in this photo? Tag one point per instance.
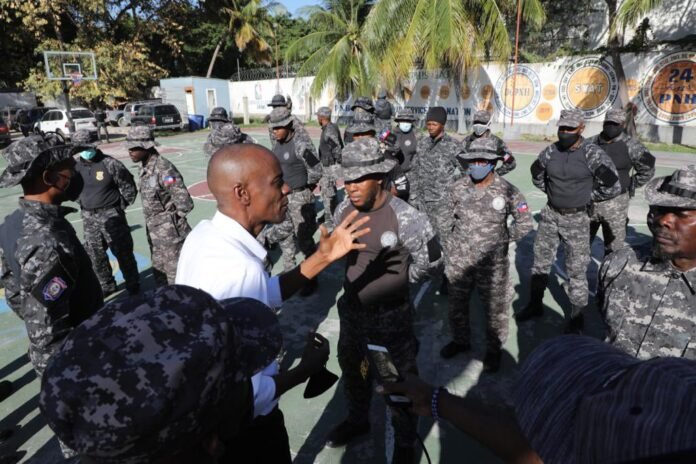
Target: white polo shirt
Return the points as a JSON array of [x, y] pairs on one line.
[[221, 258]]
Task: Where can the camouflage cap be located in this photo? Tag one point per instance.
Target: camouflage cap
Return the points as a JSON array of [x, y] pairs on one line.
[[382, 94], [616, 115], [140, 137], [363, 157], [480, 148], [30, 156], [277, 101], [218, 114], [324, 112], [571, 118], [82, 138], [405, 114], [582, 400], [675, 191], [280, 117], [482, 116], [160, 369], [364, 103], [362, 122]]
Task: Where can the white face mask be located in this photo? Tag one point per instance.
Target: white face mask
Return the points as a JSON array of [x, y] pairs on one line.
[[480, 129], [405, 126]]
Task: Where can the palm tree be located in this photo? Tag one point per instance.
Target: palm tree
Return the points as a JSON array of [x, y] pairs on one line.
[[451, 35], [339, 52], [627, 15], [249, 22]]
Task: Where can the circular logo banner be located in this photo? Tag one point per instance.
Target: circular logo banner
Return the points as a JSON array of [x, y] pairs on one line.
[[527, 91], [669, 89], [589, 84]]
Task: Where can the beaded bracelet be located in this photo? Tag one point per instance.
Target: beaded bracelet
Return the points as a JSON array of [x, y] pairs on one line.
[[433, 402]]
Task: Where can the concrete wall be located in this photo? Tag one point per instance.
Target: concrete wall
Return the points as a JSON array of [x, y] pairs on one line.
[[174, 91]]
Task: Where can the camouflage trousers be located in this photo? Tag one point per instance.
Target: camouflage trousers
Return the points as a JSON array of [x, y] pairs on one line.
[[328, 193], [297, 229], [166, 233], [573, 231], [612, 216], [491, 277], [391, 327], [436, 213], [108, 228]]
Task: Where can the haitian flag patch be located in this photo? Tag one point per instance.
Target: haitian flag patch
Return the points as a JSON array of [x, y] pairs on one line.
[[169, 180], [522, 207]]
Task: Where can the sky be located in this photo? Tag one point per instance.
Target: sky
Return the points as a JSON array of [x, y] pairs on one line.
[[294, 5]]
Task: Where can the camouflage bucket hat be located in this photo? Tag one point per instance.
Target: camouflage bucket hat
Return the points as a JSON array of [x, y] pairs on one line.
[[218, 114], [675, 191], [362, 122], [280, 117], [364, 103], [227, 134], [616, 115], [324, 112], [29, 156], [160, 370], [140, 137], [277, 101], [571, 118], [82, 139], [363, 157], [480, 148], [405, 114], [482, 116]]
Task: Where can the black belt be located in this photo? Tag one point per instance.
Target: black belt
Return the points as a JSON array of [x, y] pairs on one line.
[[568, 210], [103, 208]]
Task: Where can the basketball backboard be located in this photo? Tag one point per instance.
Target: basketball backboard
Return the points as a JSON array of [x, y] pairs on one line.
[[67, 66]]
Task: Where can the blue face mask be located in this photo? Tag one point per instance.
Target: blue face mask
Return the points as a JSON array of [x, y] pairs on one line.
[[479, 172], [405, 127], [88, 154]]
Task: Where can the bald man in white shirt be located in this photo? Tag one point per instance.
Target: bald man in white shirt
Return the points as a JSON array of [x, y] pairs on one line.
[[222, 257]]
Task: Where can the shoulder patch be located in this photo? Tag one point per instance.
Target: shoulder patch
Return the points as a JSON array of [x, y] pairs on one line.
[[168, 180], [53, 286], [434, 249], [310, 158], [523, 207]]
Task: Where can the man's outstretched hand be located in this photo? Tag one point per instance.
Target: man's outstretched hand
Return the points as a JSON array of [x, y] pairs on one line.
[[341, 241]]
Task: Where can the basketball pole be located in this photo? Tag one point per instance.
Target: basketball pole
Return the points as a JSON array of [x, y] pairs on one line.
[[66, 92]]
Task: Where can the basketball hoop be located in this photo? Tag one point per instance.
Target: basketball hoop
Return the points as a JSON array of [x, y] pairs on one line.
[[76, 79]]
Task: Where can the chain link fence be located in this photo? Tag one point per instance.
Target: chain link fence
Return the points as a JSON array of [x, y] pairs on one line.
[[285, 70]]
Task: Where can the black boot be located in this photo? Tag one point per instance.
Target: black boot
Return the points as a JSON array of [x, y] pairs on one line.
[[535, 307], [576, 324], [346, 432]]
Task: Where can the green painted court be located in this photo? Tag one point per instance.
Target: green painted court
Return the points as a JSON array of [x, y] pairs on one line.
[[309, 421]]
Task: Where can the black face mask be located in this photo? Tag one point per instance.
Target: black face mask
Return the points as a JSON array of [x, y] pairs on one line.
[[567, 139], [72, 193], [611, 131]]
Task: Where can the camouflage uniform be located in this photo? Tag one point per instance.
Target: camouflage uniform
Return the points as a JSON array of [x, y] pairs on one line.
[[226, 134], [301, 211], [477, 248], [384, 111], [628, 154], [53, 286], [570, 226], [508, 161], [647, 303], [375, 307], [434, 169], [166, 202], [301, 133], [109, 189], [361, 105], [330, 146], [176, 340]]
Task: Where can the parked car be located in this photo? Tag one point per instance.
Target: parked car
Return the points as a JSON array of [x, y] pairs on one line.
[[57, 121], [5, 137], [29, 117], [113, 116], [9, 115], [131, 110], [158, 117]]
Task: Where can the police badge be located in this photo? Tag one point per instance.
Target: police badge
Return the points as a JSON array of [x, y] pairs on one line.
[[100, 175]]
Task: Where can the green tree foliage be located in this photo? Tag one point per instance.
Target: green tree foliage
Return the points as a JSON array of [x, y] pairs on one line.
[[339, 53]]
